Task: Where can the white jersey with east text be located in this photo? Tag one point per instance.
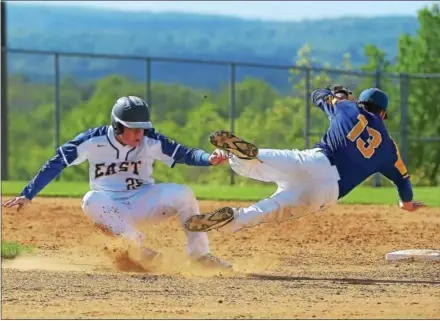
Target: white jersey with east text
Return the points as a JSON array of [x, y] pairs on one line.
[[115, 167]]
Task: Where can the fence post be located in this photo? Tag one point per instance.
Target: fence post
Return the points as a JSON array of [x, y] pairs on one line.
[[57, 103], [307, 90], [376, 182], [232, 112], [404, 116], [148, 76], [4, 96]]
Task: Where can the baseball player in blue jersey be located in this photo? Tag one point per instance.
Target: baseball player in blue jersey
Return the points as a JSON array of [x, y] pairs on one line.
[[122, 190], [355, 146]]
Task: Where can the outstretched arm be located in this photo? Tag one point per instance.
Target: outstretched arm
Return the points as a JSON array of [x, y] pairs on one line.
[[402, 183], [404, 189], [72, 152], [48, 172], [398, 174], [179, 154]]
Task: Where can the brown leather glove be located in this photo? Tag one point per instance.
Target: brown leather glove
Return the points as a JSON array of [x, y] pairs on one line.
[[340, 91]]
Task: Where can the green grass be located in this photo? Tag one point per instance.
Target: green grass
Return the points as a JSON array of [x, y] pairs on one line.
[[361, 195], [11, 250]]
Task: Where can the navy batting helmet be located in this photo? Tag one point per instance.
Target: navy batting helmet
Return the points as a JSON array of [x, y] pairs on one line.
[[131, 112]]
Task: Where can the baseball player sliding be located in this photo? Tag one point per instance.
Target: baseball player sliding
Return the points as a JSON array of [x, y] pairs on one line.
[[356, 145], [122, 191]]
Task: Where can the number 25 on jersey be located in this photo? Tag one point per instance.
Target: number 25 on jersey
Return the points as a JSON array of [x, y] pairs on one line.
[[367, 148]]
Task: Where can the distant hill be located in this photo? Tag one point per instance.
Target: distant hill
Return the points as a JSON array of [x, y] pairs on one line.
[[187, 36]]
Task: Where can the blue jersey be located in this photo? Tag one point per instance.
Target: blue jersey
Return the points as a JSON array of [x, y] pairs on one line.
[[359, 145]]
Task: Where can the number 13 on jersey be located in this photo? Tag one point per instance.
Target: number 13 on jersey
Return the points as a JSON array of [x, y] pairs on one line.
[[367, 148]]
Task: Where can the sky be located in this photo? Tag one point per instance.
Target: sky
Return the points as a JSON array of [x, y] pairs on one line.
[[266, 10]]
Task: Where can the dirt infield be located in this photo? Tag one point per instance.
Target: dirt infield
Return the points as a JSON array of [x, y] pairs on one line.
[[329, 265]]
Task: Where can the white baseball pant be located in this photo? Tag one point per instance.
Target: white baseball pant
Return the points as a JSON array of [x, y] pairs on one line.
[[306, 180], [149, 204]]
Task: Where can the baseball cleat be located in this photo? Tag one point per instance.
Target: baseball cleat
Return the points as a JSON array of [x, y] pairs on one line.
[[213, 262], [233, 144], [209, 221]]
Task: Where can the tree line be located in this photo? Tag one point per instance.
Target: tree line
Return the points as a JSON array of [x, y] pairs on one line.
[[270, 118]]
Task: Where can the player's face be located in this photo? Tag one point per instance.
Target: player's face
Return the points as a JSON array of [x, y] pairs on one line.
[[132, 136]]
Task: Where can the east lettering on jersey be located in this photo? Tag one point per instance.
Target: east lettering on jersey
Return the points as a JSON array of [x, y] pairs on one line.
[[103, 169], [114, 167]]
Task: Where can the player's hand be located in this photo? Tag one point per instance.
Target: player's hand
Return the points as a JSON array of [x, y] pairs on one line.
[[218, 157], [19, 201], [411, 206]]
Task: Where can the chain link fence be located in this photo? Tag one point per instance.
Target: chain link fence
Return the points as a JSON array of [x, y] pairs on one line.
[[283, 94]]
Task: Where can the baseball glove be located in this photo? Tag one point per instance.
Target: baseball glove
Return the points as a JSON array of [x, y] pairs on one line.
[[341, 92]]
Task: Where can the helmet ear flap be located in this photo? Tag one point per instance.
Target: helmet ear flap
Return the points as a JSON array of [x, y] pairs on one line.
[[118, 128]]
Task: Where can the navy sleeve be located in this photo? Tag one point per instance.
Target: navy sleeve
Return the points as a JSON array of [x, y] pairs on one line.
[[398, 174], [192, 157], [402, 184], [324, 99], [48, 172], [180, 153], [74, 152], [70, 153]]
